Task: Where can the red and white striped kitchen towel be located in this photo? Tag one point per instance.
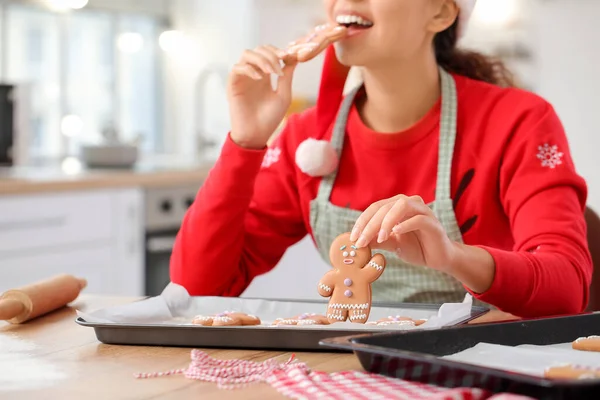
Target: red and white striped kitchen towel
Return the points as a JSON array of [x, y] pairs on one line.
[[296, 384], [295, 380]]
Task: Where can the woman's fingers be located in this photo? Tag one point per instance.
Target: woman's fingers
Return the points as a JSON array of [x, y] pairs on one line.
[[378, 220], [372, 227], [418, 222], [258, 60], [404, 208], [364, 219], [273, 56], [248, 70]]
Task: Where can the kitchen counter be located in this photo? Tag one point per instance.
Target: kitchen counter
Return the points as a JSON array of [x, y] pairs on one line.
[[71, 175], [53, 357]]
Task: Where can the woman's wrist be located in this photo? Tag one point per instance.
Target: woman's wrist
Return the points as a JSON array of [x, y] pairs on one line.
[[248, 144], [474, 267]]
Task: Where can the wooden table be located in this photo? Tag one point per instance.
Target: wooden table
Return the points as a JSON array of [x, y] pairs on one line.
[[53, 357]]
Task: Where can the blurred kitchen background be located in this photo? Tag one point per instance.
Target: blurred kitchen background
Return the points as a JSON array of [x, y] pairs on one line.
[[112, 111]]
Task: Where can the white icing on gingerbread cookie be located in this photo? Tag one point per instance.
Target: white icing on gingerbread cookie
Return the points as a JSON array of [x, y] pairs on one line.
[[303, 319]]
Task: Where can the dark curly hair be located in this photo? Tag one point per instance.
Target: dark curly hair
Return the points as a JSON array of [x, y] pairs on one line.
[[469, 63]]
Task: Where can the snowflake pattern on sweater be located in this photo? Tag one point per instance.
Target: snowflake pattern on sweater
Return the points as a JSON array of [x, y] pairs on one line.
[[271, 157], [549, 156]]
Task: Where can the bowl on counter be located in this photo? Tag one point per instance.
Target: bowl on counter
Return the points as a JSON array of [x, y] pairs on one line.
[[119, 155]]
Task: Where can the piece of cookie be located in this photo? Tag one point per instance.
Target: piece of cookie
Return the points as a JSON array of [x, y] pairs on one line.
[[590, 343], [348, 284], [303, 319], [398, 320], [390, 322], [396, 323], [227, 318], [311, 45], [569, 371]]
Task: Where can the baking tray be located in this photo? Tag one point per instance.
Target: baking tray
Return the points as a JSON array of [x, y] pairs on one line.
[[413, 356], [246, 337]]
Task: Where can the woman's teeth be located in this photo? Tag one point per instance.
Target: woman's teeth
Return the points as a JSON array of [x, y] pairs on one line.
[[348, 20]]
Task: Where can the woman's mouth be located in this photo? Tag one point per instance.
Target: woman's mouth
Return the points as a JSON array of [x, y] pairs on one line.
[[354, 23], [349, 20]]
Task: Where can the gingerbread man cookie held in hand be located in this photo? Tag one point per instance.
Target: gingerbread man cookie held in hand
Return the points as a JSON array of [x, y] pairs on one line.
[[311, 45], [348, 284]]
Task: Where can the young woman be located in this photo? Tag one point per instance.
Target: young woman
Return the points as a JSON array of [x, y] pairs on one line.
[[465, 185]]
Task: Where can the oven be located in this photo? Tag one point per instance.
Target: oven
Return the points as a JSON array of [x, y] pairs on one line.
[[164, 211]]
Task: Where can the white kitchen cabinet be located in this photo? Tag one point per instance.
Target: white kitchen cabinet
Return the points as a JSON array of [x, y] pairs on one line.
[[128, 249], [49, 221], [92, 264], [97, 235]]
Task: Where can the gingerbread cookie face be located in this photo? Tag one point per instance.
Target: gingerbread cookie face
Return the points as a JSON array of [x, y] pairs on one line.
[[348, 284], [302, 320], [227, 318], [569, 371], [344, 252], [311, 45], [590, 343]]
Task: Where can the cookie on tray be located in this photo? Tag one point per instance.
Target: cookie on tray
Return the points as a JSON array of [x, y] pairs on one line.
[[569, 371], [398, 320], [590, 343], [303, 319], [227, 318]]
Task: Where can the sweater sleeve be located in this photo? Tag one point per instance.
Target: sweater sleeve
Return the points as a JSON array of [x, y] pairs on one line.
[[550, 268], [245, 216]]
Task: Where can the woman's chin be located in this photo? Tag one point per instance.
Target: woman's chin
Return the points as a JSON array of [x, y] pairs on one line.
[[351, 56]]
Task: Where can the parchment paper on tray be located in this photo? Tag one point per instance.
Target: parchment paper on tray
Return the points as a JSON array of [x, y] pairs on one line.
[[176, 307], [525, 359]]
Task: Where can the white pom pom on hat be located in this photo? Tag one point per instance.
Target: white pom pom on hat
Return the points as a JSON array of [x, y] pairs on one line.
[[316, 157]]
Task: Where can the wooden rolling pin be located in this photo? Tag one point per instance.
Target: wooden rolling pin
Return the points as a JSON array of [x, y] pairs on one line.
[[23, 304]]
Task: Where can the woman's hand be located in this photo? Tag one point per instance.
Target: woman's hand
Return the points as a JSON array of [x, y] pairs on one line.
[[256, 109], [407, 226]]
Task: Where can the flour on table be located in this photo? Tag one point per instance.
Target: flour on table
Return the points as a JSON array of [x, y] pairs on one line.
[[20, 370]]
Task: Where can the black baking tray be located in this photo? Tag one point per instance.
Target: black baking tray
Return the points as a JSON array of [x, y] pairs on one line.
[[413, 356], [247, 337]]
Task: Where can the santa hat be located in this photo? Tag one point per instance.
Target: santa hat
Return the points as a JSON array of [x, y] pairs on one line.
[[316, 157], [466, 10]]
